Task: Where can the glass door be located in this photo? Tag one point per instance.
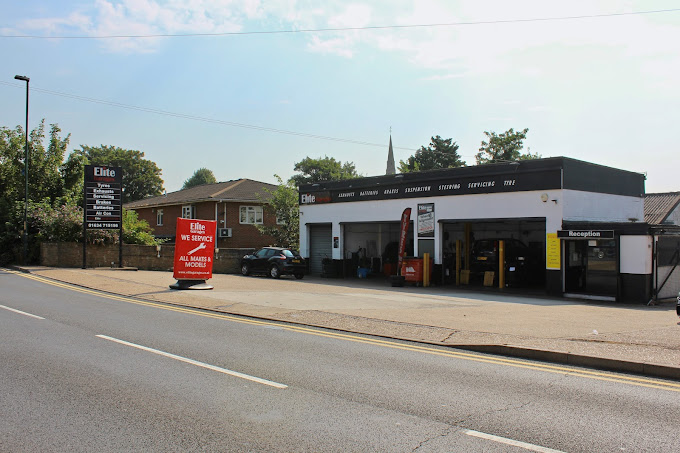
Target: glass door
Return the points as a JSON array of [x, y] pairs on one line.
[[590, 267]]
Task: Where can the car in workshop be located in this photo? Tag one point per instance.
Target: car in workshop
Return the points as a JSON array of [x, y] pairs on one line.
[[274, 262], [520, 261]]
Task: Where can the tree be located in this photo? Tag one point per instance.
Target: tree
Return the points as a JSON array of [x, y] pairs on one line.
[[504, 147], [141, 177], [46, 184], [200, 177], [441, 153], [323, 169], [45, 179], [283, 202]]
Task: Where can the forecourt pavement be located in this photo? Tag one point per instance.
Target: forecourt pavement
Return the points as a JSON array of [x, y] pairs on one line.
[[607, 335]]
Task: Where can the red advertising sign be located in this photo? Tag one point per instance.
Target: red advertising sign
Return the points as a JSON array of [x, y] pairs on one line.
[[405, 220], [194, 249]]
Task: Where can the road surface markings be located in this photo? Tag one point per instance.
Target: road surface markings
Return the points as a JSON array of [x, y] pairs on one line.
[[434, 350], [197, 363], [21, 312], [514, 443]]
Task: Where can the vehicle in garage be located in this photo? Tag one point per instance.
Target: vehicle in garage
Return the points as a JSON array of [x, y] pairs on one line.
[[519, 259], [274, 262]]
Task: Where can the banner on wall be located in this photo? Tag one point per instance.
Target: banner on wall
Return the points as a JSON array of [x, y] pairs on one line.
[[194, 249], [426, 220], [403, 232]]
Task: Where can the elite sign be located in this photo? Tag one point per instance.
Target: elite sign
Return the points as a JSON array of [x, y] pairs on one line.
[[194, 249], [103, 204]]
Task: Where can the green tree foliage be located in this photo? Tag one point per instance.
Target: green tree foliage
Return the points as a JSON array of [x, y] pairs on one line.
[[200, 177], [505, 147], [45, 182], [441, 153], [322, 169], [141, 177], [55, 191], [283, 202], [45, 179]]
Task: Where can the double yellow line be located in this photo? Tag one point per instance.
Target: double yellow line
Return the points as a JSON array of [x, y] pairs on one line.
[[439, 351]]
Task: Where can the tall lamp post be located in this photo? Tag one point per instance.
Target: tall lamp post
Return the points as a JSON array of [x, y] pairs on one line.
[[25, 255]]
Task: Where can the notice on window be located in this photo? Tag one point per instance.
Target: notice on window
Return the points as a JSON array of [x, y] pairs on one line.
[[553, 258], [426, 220], [194, 249]]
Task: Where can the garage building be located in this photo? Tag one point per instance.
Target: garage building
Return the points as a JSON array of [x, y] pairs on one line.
[[573, 227]]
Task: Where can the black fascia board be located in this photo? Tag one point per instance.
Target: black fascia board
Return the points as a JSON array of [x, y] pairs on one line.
[[625, 228], [589, 177], [495, 169], [537, 174]]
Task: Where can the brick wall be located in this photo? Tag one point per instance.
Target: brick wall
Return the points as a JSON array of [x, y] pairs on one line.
[[243, 235], [144, 257]]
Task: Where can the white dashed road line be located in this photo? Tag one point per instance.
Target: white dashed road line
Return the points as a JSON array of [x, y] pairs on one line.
[[514, 443], [197, 363], [21, 312]]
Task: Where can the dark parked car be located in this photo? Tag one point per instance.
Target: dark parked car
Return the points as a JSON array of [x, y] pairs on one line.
[[275, 262], [520, 262]]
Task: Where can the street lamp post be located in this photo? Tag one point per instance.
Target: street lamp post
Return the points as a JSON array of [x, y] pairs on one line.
[[25, 254]]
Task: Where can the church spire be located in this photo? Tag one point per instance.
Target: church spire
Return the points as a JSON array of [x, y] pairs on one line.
[[390, 159]]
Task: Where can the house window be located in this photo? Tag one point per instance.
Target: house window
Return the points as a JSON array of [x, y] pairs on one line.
[[159, 217], [251, 214], [188, 211], [280, 220]]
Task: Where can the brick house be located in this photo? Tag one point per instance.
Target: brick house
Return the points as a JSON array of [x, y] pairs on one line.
[[236, 205]]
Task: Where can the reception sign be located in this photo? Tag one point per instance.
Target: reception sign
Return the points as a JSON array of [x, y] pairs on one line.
[[194, 249]]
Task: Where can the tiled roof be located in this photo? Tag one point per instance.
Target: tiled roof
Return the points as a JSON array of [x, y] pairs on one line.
[[236, 190], [658, 206]]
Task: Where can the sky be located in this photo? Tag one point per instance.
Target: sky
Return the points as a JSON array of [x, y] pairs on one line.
[[247, 88]]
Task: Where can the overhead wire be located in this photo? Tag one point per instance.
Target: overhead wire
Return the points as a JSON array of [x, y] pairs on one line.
[[338, 29], [203, 119]]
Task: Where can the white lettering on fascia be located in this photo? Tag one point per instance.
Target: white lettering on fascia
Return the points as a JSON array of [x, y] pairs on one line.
[[475, 185], [449, 186], [417, 189]]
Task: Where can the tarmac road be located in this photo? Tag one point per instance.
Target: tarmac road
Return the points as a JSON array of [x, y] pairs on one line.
[[111, 373], [632, 338]]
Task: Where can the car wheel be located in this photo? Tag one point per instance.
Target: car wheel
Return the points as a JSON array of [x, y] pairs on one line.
[[299, 276], [245, 269], [274, 271]]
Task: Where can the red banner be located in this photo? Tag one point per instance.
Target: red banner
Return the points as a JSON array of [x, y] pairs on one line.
[[405, 220], [194, 249]]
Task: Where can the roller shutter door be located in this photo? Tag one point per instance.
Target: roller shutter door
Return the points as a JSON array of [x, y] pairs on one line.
[[320, 247]]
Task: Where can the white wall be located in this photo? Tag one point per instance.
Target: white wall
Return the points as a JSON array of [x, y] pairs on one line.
[[635, 256], [600, 207], [480, 206]]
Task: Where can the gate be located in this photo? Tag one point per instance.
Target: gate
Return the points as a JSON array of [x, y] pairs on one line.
[[667, 267]]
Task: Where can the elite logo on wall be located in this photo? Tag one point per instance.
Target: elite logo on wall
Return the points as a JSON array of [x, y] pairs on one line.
[[103, 201], [194, 249]]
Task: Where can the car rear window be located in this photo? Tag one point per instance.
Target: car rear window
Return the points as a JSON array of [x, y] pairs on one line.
[[288, 253]]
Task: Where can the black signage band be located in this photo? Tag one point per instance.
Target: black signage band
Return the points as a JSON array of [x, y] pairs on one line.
[[585, 234], [548, 180]]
